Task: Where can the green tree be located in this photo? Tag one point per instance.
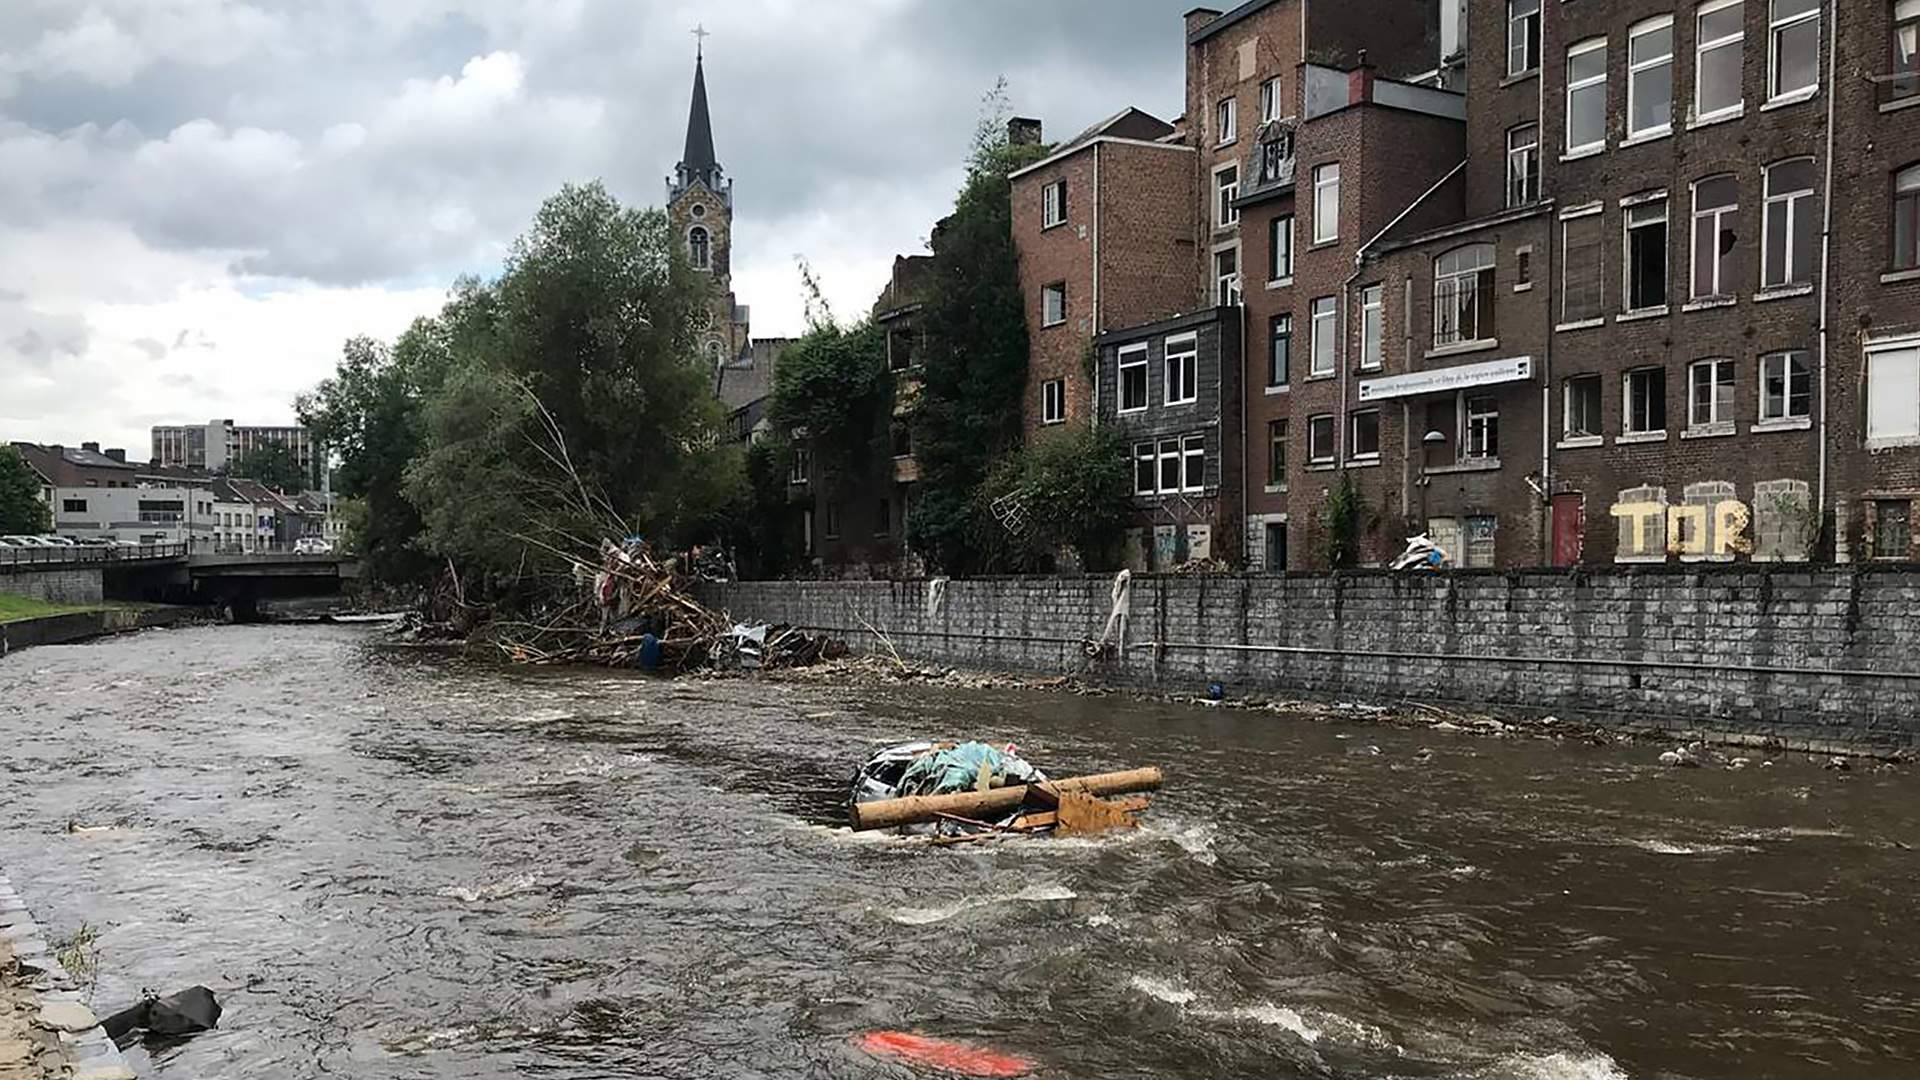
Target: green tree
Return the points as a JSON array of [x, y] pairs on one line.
[[21, 510], [834, 384], [976, 348], [1067, 492], [273, 465]]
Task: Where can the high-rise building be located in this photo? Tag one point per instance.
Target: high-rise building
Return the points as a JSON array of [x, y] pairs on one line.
[[215, 445]]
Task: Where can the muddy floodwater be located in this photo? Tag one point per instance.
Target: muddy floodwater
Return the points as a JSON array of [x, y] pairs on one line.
[[393, 863]]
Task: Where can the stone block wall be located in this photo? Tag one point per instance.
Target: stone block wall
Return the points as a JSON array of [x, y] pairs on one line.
[[62, 586], [1808, 658]]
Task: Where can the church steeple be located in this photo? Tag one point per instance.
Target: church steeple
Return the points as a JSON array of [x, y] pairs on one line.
[[697, 162]]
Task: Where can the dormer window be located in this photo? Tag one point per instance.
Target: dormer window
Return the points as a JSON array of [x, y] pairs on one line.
[[699, 248]]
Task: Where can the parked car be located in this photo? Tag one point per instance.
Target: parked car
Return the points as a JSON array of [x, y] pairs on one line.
[[30, 541], [312, 545]]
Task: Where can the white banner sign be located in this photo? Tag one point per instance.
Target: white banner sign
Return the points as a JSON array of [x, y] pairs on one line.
[[1440, 380]]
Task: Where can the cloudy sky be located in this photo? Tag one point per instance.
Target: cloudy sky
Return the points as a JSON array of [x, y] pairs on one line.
[[201, 199]]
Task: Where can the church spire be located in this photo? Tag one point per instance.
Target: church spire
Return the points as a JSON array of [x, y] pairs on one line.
[[697, 162]]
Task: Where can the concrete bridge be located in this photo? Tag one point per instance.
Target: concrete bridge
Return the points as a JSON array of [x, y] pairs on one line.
[[170, 573]]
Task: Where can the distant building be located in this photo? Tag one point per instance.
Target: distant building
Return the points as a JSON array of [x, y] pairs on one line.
[[215, 445], [84, 466], [140, 515]]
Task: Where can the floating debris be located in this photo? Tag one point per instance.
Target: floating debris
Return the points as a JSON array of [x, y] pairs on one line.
[[960, 792]]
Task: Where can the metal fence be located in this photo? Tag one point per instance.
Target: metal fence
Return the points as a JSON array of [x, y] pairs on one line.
[[88, 554]]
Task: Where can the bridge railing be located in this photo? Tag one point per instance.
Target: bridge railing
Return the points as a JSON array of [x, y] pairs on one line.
[[88, 554]]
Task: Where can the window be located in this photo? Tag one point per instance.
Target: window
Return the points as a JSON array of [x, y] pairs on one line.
[[1482, 428], [1710, 393], [1170, 462], [1133, 378], [1372, 319], [1320, 448], [1906, 50], [73, 506], [1522, 267], [883, 518], [1143, 469], [699, 248], [1053, 204], [1893, 395], [1280, 244], [1646, 256], [1715, 202], [1587, 96], [802, 469], [901, 434], [1793, 47], [1365, 437], [1182, 370], [1324, 333], [1279, 350], [1523, 165], [1523, 36], [1463, 295], [1646, 404], [1906, 219], [1053, 401], [1326, 203], [1892, 528], [1270, 101], [1650, 78], [806, 531], [1276, 453], [1276, 158], [833, 519], [1582, 420], [1789, 225], [1226, 277], [1719, 54], [1228, 115], [1193, 451], [1053, 304], [1226, 188], [1786, 386]]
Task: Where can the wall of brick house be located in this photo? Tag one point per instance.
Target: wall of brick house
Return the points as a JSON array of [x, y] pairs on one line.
[[1400, 39], [1062, 253], [1496, 103], [1148, 205], [1807, 659]]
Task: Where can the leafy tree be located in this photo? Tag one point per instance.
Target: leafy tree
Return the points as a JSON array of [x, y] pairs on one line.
[[1069, 491], [1341, 519], [976, 347], [21, 510], [764, 535], [273, 465], [834, 384]]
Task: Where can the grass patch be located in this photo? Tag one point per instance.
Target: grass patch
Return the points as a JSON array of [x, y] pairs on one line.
[[17, 608]]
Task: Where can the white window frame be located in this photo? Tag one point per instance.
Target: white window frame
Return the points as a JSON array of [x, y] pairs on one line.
[[1523, 36], [1908, 349], [1599, 384], [1626, 402], [1326, 194], [1475, 424], [1523, 165], [1225, 191], [1353, 435], [1797, 202], [1638, 69], [806, 530], [1227, 287], [1053, 204], [1132, 356], [1192, 478], [1736, 41], [1280, 243], [1905, 44], [1784, 359], [1227, 119], [1329, 333], [1777, 28], [1170, 450], [1053, 401], [800, 470], [1182, 350], [1716, 219], [1627, 227], [1332, 451], [1286, 374], [1146, 453], [1450, 285], [1598, 45], [1373, 328], [1906, 188], [1270, 100], [1047, 293], [1720, 372]]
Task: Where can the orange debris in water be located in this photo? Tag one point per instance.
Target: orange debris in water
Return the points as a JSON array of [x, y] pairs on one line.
[[951, 1057]]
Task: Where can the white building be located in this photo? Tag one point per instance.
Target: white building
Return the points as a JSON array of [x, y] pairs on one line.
[[146, 515]]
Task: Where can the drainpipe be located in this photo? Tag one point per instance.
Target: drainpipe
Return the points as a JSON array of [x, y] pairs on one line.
[[1097, 327], [1826, 250], [1543, 536]]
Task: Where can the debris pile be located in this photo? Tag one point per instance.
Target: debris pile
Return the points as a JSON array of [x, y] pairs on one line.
[[960, 792], [634, 610]]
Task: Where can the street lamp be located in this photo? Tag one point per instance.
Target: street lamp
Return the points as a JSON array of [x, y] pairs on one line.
[[1431, 438]]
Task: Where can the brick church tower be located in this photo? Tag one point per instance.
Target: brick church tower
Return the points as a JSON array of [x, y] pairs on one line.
[[700, 206]]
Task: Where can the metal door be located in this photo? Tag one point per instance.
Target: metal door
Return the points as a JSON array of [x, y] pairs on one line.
[[1569, 528]]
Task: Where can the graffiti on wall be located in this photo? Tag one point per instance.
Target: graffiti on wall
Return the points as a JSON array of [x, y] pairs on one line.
[[1711, 523]]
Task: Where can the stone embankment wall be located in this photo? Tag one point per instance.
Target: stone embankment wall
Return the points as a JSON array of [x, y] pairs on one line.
[[1808, 658], [84, 625], [61, 586]]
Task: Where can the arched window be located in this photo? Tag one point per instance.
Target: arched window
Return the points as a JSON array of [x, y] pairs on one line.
[[1463, 295], [715, 353], [699, 248], [1906, 219]]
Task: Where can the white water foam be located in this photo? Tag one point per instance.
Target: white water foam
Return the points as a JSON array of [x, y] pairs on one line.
[[1554, 1067], [1163, 990], [499, 890], [1265, 1013], [1667, 847], [1032, 894]]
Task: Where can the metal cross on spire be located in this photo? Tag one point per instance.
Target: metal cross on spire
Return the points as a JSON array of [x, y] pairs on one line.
[[700, 36]]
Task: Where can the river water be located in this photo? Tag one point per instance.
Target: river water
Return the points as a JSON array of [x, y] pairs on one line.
[[393, 863]]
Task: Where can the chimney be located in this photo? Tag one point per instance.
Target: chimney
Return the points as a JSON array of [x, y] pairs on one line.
[[90, 447], [118, 455], [1198, 18], [1023, 131], [1360, 81]]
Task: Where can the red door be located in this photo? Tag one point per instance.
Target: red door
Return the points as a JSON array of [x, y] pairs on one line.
[[1569, 528]]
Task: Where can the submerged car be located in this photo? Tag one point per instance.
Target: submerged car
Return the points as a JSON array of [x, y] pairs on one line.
[[940, 768]]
